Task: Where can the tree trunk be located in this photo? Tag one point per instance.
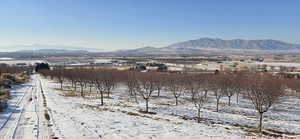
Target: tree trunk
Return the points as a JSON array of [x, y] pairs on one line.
[[81, 89], [237, 98], [199, 114], [147, 105], [108, 92], [193, 95], [101, 93], [61, 85], [217, 105], [260, 121], [158, 92], [135, 97], [75, 87], [229, 100], [81, 92], [176, 101], [90, 88]]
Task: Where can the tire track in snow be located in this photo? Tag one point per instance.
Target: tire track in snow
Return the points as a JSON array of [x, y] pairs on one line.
[[11, 131], [68, 118], [35, 99]]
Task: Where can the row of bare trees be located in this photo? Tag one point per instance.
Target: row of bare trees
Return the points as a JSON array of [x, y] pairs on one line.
[[13, 69], [103, 80], [261, 89]]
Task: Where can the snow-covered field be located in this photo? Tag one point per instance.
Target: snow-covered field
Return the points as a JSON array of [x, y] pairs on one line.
[[13, 62], [288, 64], [121, 117]]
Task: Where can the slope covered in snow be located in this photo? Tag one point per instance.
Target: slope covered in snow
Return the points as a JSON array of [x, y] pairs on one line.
[[72, 117]]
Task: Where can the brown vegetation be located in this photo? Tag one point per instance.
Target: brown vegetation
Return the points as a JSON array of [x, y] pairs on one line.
[[261, 89]]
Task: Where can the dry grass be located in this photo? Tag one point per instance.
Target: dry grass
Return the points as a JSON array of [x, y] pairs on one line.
[[96, 108], [146, 112], [90, 94], [251, 130], [281, 132], [4, 97], [22, 78], [292, 94], [250, 134], [140, 114], [125, 104], [164, 104], [133, 113], [87, 95], [5, 94], [70, 94]]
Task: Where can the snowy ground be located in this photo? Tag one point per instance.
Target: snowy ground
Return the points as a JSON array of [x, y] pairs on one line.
[[121, 117], [24, 117]]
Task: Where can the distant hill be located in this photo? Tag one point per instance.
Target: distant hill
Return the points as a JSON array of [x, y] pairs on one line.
[[40, 50], [43, 52], [52, 51], [215, 45], [39, 47], [210, 43]]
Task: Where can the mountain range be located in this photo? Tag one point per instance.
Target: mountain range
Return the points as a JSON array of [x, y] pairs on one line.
[[215, 45], [210, 43], [190, 47]]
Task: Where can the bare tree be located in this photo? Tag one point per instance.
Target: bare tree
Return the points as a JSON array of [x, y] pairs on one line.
[[219, 87], [192, 83], [199, 90], [71, 75], [109, 80], [90, 78], [239, 82], [81, 78], [175, 84], [264, 91], [146, 86], [159, 83], [229, 86], [98, 79], [131, 82], [294, 85], [60, 75], [200, 98]]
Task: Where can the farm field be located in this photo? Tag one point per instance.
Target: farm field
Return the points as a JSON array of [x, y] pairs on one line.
[[72, 116]]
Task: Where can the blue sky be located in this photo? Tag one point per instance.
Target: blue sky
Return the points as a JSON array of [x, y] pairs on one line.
[[125, 24]]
